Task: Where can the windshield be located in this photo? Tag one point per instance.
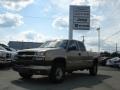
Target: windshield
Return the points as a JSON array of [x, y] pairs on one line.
[[54, 44]]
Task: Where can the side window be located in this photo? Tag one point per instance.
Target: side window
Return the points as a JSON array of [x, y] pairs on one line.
[[72, 45], [64, 44], [81, 46]]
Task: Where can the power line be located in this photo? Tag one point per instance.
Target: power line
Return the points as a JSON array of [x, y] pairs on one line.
[[112, 35]]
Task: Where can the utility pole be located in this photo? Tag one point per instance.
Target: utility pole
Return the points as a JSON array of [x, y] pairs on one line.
[[116, 48]]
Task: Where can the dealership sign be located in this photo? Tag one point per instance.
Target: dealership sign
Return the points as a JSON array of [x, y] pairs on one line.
[[79, 17]]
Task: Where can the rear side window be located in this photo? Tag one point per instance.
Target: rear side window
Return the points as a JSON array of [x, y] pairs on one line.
[[73, 44], [81, 46]]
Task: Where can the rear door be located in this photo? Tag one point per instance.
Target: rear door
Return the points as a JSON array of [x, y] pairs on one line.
[[84, 59], [73, 55]]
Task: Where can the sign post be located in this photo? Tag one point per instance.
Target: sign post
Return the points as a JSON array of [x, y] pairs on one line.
[[79, 19]]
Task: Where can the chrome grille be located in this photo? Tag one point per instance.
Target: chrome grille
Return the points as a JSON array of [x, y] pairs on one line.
[[25, 55]]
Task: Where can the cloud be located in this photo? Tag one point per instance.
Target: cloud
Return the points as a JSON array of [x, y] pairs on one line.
[[79, 2], [10, 20], [63, 4], [28, 36], [15, 5], [60, 4], [31, 36], [96, 21], [47, 9], [92, 43], [92, 3], [60, 22]]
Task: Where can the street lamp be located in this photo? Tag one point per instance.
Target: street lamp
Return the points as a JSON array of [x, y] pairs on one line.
[[98, 30]]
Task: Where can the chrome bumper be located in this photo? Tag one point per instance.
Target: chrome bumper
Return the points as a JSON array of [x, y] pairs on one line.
[[43, 70]]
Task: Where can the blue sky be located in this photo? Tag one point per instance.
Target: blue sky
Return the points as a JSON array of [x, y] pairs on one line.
[[41, 20]]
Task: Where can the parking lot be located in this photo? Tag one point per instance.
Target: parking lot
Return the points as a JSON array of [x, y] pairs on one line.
[[107, 79]]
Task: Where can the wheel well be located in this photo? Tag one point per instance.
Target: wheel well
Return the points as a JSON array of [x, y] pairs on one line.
[[95, 61], [60, 61]]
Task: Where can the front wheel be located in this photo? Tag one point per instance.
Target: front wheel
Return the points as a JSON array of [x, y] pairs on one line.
[[93, 70], [57, 73]]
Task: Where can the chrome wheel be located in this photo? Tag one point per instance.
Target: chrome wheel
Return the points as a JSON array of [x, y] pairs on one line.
[[93, 70], [59, 73]]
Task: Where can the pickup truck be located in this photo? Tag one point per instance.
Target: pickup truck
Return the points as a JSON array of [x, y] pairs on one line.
[[54, 58], [6, 55]]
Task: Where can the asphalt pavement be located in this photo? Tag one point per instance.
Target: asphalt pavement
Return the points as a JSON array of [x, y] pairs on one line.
[[107, 79]]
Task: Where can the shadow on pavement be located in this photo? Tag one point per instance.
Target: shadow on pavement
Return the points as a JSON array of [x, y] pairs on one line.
[[76, 80], [4, 67], [108, 68]]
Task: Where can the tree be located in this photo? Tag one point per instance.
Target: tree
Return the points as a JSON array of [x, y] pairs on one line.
[[115, 54], [105, 54]]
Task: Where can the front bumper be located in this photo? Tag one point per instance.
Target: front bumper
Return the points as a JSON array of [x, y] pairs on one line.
[[40, 70], [5, 61]]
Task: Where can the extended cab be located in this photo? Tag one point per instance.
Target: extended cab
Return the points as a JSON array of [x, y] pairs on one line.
[[54, 58]]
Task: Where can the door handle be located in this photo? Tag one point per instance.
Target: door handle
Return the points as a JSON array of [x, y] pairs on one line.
[[79, 54]]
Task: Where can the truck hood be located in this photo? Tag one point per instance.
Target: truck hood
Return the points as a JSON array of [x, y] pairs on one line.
[[37, 49]]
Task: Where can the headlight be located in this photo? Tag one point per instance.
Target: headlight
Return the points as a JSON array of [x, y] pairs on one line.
[[40, 54]]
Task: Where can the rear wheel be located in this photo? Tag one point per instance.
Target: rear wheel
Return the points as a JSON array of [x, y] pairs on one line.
[[25, 75], [93, 70], [57, 73]]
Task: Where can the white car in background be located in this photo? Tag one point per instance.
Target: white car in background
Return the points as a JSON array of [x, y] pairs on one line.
[[115, 62], [6, 54]]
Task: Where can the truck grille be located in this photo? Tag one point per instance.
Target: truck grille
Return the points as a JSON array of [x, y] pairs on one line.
[[27, 58], [25, 55]]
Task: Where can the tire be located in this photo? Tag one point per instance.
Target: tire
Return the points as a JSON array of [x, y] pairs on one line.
[[93, 70], [57, 73], [70, 72], [25, 75]]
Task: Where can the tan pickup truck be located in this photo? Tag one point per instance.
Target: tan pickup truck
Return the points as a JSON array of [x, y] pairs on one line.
[[54, 58]]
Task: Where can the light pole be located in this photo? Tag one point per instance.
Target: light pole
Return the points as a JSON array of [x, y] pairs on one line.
[[98, 30], [116, 48]]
